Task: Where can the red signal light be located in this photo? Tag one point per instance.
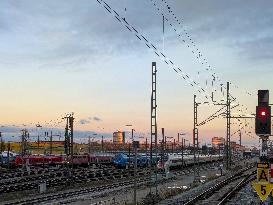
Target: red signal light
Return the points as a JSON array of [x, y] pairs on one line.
[[263, 113]]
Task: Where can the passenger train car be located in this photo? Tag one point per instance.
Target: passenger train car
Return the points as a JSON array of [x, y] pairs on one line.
[[175, 160], [54, 160], [5, 160]]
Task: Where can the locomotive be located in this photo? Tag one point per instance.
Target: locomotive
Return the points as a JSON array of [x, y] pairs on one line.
[[124, 160]]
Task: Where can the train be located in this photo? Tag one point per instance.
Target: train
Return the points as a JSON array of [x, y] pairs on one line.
[[174, 160], [7, 158], [57, 160], [123, 160]]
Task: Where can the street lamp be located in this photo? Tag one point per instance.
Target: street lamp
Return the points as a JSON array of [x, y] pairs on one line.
[[135, 146], [132, 137]]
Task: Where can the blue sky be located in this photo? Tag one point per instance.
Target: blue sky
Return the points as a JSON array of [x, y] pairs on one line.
[[73, 56]]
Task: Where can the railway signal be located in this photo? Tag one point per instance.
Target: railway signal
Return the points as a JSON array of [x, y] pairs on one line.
[[263, 114], [263, 120], [263, 187]]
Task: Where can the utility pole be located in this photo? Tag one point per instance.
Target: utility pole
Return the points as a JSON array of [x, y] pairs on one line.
[[102, 143], [146, 151], [89, 145], [240, 139], [51, 142], [1, 148], [38, 142], [135, 146], [89, 150], [24, 142], [69, 141], [228, 148], [8, 155], [71, 123], [162, 149], [129, 160], [166, 147], [195, 140], [182, 146], [153, 126], [1, 145], [66, 139], [228, 125]]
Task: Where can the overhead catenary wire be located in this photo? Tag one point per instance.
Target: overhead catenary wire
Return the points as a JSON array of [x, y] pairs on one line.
[[152, 47], [203, 59], [192, 44], [195, 50], [170, 63]]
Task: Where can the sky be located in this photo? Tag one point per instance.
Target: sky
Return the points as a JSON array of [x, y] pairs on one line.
[[64, 56]]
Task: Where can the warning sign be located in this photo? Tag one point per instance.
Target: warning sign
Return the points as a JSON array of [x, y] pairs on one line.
[[262, 165], [263, 190], [263, 175]]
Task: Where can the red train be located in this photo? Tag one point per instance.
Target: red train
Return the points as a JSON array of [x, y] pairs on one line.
[[81, 160]]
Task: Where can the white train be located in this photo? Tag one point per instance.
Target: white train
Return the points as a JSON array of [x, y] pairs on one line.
[[175, 160]]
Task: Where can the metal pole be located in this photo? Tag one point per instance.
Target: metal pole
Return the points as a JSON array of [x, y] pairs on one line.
[[263, 152], [182, 165], [153, 126], [132, 136], [51, 142], [240, 135], [219, 150], [89, 150], [8, 154], [195, 139], [1, 145], [135, 170], [184, 145], [129, 156], [162, 148], [228, 150], [1, 148], [166, 150], [102, 143], [38, 142], [146, 151], [173, 147], [71, 120]]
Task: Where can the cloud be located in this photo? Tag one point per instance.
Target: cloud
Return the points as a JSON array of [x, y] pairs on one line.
[[89, 119], [84, 121], [96, 119]]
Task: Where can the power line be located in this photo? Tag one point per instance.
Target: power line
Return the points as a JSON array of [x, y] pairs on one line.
[[152, 47]]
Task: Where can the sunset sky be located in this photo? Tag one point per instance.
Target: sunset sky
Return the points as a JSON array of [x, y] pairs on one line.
[[67, 56]]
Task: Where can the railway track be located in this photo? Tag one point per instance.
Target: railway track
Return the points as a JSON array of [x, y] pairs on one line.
[[117, 174], [82, 176], [7, 174], [231, 193], [45, 175], [62, 178], [223, 190], [66, 197]]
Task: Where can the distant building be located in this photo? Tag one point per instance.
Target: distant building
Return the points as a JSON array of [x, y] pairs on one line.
[[233, 145], [119, 137], [217, 141]]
